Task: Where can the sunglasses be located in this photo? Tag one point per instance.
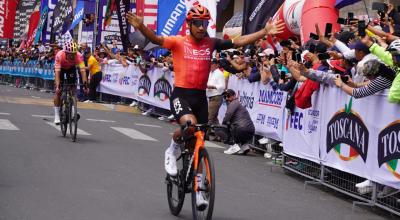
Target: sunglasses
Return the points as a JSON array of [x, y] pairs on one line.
[[199, 23]]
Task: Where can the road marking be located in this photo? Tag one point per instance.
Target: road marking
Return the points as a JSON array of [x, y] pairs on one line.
[[212, 145], [35, 97], [43, 116], [4, 113], [7, 125], [134, 134], [99, 120], [80, 131], [147, 125]]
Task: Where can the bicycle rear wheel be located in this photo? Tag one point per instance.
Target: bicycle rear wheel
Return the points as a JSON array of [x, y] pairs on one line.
[[205, 168], [64, 107], [176, 187], [73, 119]]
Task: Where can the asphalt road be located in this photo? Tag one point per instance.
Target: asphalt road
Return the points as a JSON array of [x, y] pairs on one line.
[[115, 171]]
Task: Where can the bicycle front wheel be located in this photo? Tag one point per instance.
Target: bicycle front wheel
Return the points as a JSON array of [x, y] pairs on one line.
[[73, 119], [64, 108], [206, 186], [176, 187]]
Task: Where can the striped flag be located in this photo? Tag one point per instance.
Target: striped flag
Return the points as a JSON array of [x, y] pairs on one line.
[[111, 8]]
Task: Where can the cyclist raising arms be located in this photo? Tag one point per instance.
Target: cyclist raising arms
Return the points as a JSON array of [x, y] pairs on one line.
[[192, 62], [66, 61]]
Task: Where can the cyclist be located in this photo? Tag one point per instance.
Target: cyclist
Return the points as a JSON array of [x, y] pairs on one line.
[[66, 61], [192, 61]]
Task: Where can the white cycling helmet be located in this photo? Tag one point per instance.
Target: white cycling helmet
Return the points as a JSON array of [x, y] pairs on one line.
[[394, 47]]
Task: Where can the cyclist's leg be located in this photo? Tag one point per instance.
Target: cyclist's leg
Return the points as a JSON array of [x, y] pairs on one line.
[[56, 100]]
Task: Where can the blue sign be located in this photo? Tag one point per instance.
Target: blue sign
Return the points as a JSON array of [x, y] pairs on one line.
[[78, 16], [170, 16]]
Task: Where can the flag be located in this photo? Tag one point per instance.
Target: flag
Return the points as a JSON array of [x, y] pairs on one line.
[[62, 14], [257, 12], [24, 11], [111, 8], [123, 6], [79, 10], [7, 18], [33, 24], [43, 19], [171, 14], [343, 3]]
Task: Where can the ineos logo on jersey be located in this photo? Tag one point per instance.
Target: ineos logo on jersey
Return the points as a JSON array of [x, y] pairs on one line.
[[196, 52]]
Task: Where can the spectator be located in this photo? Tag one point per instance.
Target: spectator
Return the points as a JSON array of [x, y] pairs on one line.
[[215, 88], [95, 75], [241, 126]]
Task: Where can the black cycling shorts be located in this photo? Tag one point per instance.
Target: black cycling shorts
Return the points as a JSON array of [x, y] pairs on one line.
[[70, 75], [189, 101]]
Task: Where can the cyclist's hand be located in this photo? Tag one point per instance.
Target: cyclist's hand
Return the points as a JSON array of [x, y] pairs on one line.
[[134, 20]]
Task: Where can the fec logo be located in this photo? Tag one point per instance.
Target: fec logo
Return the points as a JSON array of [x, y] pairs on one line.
[[347, 135], [389, 148]]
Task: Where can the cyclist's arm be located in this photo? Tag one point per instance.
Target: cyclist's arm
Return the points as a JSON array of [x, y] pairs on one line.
[[57, 70], [271, 28]]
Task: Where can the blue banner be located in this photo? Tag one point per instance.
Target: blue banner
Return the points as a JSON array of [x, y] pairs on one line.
[[170, 16], [78, 16], [43, 19], [50, 4]]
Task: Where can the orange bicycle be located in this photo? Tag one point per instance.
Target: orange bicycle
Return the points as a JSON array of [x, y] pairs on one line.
[[193, 162]]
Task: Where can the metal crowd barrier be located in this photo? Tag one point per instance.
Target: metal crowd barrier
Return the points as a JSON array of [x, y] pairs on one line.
[[340, 181]]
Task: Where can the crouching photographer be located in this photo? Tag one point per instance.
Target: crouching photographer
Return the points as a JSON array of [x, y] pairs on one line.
[[241, 127]]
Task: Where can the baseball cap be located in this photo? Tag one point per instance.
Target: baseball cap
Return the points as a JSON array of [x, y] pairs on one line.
[[362, 47], [336, 64], [136, 47], [229, 92]]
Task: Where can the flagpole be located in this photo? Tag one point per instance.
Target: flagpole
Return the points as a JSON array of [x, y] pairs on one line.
[[96, 15]]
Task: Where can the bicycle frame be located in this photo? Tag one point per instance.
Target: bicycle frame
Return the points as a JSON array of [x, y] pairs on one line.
[[199, 145]]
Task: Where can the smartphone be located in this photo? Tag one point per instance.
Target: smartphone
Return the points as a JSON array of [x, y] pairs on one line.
[[314, 36], [361, 28], [328, 29], [294, 55], [323, 56], [283, 75], [379, 6], [298, 57], [342, 21], [350, 15], [345, 79]]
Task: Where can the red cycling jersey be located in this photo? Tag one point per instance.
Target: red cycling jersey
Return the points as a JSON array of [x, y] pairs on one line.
[[61, 61], [192, 60]]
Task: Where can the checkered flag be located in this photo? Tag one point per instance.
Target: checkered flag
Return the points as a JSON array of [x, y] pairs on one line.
[[64, 38], [62, 15]]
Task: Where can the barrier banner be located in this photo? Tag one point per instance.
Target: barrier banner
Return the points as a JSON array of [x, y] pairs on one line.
[[119, 80], [155, 88], [302, 130], [7, 18], [360, 138], [265, 105]]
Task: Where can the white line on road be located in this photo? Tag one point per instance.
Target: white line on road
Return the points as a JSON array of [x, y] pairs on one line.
[[43, 116], [7, 125], [4, 113], [80, 131], [35, 97], [99, 120], [134, 134], [147, 125], [212, 145]]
